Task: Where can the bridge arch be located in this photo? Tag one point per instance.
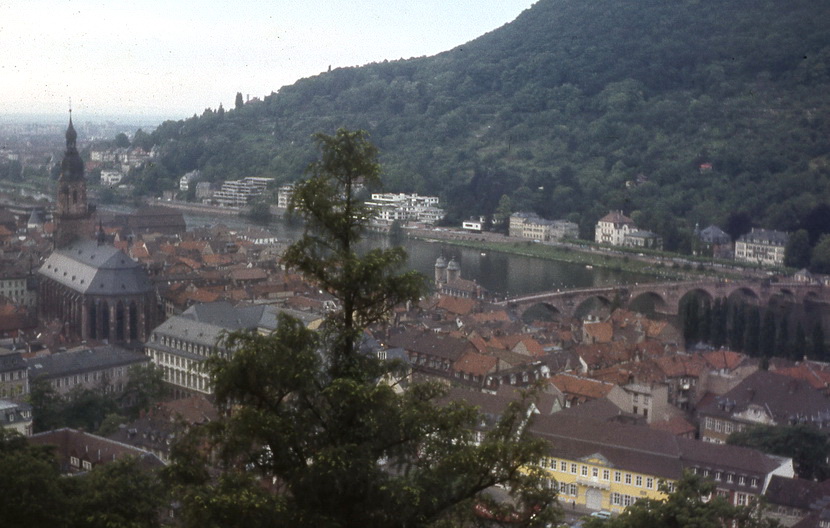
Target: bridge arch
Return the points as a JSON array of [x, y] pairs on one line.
[[542, 311], [743, 294], [648, 303], [593, 304]]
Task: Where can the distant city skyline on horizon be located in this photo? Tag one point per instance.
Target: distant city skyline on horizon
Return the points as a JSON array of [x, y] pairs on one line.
[[155, 61]]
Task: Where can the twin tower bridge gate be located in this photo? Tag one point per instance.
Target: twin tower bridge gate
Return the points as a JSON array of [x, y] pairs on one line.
[[665, 298]]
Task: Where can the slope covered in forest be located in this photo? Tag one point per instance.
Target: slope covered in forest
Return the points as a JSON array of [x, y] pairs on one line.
[[572, 109]]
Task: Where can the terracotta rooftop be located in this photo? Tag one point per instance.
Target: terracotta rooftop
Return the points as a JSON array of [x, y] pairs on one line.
[[475, 364], [588, 388], [456, 305]]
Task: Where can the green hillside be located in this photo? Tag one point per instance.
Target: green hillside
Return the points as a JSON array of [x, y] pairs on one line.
[[575, 108]]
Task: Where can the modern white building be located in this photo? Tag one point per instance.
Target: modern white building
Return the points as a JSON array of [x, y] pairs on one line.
[[284, 194], [111, 177], [238, 193], [405, 207]]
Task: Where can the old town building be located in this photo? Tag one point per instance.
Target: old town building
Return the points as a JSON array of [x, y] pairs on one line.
[[96, 290]]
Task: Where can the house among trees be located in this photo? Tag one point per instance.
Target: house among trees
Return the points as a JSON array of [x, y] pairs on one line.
[[617, 229], [534, 227], [764, 247], [713, 241]]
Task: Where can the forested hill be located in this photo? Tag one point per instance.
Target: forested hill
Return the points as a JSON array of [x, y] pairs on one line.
[[575, 108]]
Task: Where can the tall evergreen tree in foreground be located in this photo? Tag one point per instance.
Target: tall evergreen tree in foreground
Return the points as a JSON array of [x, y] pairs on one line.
[[314, 436]]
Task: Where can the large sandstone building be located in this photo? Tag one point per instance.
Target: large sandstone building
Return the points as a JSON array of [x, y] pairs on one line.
[[95, 289]]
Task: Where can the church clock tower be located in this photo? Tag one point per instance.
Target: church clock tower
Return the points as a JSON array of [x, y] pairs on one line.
[[73, 215]]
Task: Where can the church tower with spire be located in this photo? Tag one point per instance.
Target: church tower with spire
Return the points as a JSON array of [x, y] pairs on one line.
[[73, 214]]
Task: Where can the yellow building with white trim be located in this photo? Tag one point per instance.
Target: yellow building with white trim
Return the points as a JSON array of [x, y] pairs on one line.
[[607, 465]]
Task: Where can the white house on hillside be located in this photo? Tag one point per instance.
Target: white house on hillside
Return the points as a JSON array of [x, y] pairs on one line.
[[613, 228]]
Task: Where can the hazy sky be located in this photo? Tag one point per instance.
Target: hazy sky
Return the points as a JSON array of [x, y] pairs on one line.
[[174, 58]]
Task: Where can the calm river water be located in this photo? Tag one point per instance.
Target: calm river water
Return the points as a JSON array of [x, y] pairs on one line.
[[503, 274]]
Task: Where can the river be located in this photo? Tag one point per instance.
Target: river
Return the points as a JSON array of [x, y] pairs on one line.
[[503, 274]]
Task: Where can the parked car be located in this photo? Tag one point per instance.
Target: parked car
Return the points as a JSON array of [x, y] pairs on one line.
[[602, 514]]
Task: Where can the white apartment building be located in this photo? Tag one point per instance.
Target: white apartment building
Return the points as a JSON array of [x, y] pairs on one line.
[[404, 207], [111, 177], [187, 179], [764, 247], [238, 193], [284, 194]]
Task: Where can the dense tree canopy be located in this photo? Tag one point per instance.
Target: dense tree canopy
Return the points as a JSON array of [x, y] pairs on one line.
[[681, 112], [807, 446], [33, 494]]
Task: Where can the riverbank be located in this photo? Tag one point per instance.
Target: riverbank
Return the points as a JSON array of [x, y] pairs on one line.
[[663, 267]]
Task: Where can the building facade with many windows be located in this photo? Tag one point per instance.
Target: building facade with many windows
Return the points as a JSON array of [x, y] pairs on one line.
[[610, 465], [764, 247]]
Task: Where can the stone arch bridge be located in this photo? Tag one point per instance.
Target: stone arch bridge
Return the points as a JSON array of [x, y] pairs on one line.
[[666, 297]]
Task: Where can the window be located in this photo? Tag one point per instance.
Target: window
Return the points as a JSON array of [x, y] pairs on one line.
[[573, 490], [729, 427], [616, 499], [563, 466], [617, 476], [730, 478], [740, 499], [638, 481], [628, 478], [594, 472], [87, 465], [584, 471], [74, 461], [650, 483], [742, 480], [718, 475], [606, 475], [754, 482], [573, 469]]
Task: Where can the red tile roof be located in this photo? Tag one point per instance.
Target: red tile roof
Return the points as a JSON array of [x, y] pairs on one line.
[[475, 364]]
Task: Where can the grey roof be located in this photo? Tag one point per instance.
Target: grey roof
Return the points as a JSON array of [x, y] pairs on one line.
[[188, 330], [89, 268], [82, 360], [766, 236], [268, 321], [224, 314], [787, 400], [203, 324], [714, 235], [651, 451]]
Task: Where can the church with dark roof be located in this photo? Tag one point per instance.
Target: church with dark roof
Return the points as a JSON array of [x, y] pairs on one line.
[[95, 289]]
